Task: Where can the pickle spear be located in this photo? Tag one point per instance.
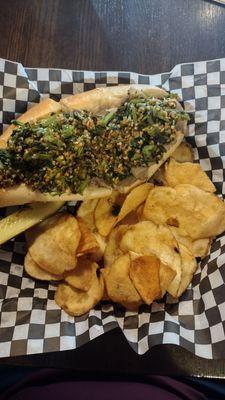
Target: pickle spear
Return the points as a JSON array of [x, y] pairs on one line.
[[23, 219]]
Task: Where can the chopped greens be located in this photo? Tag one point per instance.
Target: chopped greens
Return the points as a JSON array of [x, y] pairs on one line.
[[65, 151], [104, 121]]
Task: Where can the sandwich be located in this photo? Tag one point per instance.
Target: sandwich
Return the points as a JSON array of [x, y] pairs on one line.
[[88, 144]]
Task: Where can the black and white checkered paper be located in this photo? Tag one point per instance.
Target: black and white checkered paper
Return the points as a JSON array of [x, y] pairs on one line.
[[30, 321]]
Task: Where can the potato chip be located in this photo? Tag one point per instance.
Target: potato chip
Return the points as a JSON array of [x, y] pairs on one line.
[[183, 153], [119, 286], [166, 276], [86, 213], [97, 256], [53, 243], [33, 269], [178, 173], [188, 266], [129, 183], [140, 210], [134, 255], [136, 197], [131, 306], [158, 201], [146, 238], [130, 219], [106, 212], [81, 277], [105, 296], [198, 247], [67, 233], [198, 214], [201, 247], [110, 211], [88, 242], [112, 250], [76, 302], [144, 273]]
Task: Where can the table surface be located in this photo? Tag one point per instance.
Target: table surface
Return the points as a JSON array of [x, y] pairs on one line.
[[145, 36]]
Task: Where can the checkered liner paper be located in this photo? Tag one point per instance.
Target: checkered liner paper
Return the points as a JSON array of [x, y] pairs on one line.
[[30, 320]]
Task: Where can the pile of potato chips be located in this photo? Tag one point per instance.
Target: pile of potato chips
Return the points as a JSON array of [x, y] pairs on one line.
[[130, 248]]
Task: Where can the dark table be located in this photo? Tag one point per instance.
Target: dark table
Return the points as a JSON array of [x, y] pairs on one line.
[[145, 36]]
